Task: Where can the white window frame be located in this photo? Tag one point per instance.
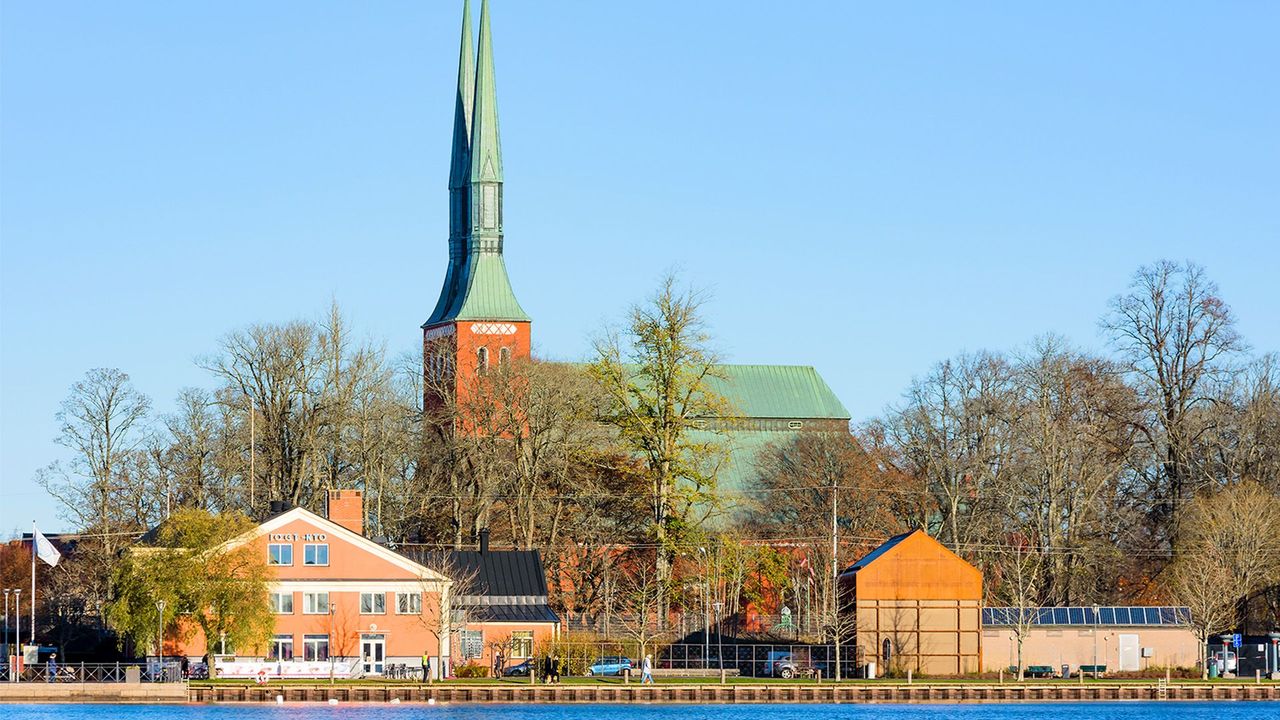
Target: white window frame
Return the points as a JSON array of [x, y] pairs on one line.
[[271, 556], [471, 642], [519, 638], [311, 647], [311, 603], [279, 601], [316, 548], [373, 603], [405, 603], [276, 642]]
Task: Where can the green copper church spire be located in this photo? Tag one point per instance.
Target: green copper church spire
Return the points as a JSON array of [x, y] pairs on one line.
[[459, 172], [486, 160], [484, 291]]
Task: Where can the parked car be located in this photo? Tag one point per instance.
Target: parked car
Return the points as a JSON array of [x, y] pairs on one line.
[[1230, 665], [609, 665], [521, 670], [779, 663]]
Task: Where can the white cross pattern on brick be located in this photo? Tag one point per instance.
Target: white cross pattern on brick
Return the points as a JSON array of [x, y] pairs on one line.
[[493, 329]]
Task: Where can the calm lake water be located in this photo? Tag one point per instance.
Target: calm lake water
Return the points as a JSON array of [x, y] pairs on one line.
[[1029, 711]]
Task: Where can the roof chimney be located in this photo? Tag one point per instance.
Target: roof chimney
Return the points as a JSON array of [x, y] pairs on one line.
[[346, 507], [484, 540]]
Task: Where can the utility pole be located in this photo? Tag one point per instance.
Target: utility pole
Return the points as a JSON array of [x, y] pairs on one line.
[[835, 567], [835, 573], [253, 446]]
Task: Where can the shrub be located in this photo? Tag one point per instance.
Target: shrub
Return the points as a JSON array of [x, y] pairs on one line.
[[471, 670]]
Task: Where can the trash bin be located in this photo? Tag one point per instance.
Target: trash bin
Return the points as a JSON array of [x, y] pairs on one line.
[[133, 674], [1066, 671], [1213, 669], [871, 671]]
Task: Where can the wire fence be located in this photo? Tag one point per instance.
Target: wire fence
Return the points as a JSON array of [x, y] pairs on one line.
[[148, 672]]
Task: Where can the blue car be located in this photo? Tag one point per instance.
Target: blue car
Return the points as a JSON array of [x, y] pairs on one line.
[[610, 665]]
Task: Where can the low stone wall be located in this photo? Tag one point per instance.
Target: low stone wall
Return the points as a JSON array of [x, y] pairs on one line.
[[37, 692], [743, 693]]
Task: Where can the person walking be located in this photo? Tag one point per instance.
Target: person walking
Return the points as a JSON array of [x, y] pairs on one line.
[[52, 667], [426, 667], [646, 675], [548, 669], [556, 666]]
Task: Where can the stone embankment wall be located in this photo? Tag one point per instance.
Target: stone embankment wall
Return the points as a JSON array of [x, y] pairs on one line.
[[732, 693], [36, 692], [917, 693]]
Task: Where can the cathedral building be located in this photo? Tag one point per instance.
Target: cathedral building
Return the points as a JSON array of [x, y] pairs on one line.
[[477, 320]]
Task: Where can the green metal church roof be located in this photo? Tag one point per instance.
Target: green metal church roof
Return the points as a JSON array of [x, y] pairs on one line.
[[487, 293], [778, 391]]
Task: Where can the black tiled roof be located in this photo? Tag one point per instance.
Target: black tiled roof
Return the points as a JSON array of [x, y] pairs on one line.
[[539, 613], [502, 573]]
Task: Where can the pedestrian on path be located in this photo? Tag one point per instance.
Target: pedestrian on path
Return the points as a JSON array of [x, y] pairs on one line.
[[647, 675], [52, 667]]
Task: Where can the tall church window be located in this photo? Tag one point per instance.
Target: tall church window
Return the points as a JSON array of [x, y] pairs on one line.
[[504, 357], [482, 359]]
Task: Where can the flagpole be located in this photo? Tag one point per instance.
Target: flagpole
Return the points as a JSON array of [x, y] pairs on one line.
[[33, 581]]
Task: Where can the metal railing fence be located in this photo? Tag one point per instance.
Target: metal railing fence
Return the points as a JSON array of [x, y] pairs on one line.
[[748, 659], [147, 672]]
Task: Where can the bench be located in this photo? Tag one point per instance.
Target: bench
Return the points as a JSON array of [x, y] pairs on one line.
[[1040, 671], [1093, 669]]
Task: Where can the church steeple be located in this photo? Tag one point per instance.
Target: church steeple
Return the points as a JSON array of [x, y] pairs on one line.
[[486, 161], [484, 290], [459, 172], [477, 321]]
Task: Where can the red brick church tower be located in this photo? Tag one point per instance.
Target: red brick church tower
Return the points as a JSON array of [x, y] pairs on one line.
[[477, 322]]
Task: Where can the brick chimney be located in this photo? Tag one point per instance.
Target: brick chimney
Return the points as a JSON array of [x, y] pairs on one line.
[[484, 540], [346, 507]]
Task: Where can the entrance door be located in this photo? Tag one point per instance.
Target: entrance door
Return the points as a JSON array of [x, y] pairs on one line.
[[1129, 652], [373, 651]]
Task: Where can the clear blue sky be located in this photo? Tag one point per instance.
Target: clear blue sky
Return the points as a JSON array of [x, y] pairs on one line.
[[866, 188]]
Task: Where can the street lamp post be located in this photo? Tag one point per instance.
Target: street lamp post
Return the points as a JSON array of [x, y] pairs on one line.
[[706, 609], [160, 636], [17, 632], [1095, 642], [8, 649], [719, 634]]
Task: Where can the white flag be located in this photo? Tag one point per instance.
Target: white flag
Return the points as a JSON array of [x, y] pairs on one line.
[[46, 551]]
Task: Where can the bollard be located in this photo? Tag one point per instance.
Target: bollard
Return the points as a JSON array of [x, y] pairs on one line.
[[1080, 675], [723, 676], [1257, 676], [817, 674], [626, 676], [1168, 675], [1001, 676], [908, 676]]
